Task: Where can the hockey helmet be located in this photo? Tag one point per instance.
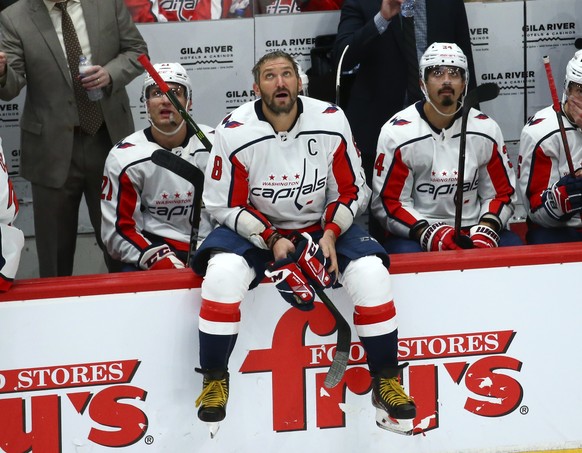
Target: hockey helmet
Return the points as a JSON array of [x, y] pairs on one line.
[[573, 72], [170, 73], [443, 54]]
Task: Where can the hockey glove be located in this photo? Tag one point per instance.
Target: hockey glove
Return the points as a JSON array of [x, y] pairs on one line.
[[564, 198], [158, 257], [291, 283], [311, 261], [438, 237], [483, 237]]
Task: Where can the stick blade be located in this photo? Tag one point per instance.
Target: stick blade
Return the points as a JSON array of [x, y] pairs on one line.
[[178, 166], [488, 91], [337, 369], [483, 93], [344, 342]]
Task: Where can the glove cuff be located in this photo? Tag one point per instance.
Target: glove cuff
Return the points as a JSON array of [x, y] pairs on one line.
[[426, 236], [484, 237]]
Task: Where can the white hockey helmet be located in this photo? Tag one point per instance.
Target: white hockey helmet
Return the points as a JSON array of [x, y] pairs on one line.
[[573, 72], [443, 54], [170, 73]]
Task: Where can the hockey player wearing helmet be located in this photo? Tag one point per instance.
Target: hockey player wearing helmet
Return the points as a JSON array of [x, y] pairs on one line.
[[146, 208], [382, 49], [415, 178], [281, 164], [551, 195]]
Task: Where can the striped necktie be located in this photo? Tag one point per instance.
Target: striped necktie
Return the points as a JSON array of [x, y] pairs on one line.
[[90, 116]]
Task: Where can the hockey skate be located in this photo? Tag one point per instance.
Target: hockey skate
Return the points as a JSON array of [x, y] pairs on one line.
[[395, 410], [212, 401]]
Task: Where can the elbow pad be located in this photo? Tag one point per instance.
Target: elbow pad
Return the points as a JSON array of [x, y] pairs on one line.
[[338, 214]]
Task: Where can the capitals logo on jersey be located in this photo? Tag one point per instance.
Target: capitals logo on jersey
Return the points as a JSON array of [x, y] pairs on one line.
[[399, 122], [331, 109], [232, 124]]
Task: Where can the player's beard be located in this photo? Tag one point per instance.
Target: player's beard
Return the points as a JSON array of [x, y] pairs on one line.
[[447, 98], [447, 101], [278, 109]]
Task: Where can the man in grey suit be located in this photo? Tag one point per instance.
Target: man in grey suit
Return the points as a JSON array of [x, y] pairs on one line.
[[60, 158]]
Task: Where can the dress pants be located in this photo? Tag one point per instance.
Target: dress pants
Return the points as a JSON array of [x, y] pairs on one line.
[[56, 211]]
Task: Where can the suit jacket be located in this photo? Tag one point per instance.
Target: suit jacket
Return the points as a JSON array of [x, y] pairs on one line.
[[6, 3], [379, 87], [37, 60]]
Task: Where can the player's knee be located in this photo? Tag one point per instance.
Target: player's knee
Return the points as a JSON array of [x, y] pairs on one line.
[[227, 278], [367, 282]]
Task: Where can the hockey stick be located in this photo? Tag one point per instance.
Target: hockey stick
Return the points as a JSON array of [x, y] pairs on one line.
[[344, 333], [193, 175], [145, 62], [482, 93], [344, 341], [338, 76], [558, 110]]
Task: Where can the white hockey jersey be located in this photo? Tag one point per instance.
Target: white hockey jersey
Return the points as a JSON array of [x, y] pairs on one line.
[[415, 173], [296, 180], [11, 238], [140, 198], [542, 162]]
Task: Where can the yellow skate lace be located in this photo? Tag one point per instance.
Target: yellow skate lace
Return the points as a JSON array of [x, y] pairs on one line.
[[391, 391], [214, 394]]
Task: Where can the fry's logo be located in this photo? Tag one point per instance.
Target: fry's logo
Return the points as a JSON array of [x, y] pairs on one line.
[[126, 423], [495, 394]]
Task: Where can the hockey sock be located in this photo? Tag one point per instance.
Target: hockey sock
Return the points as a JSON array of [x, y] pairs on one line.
[[215, 350], [382, 351]]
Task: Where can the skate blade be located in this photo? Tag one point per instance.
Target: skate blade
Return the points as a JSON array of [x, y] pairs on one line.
[[213, 427], [398, 426]]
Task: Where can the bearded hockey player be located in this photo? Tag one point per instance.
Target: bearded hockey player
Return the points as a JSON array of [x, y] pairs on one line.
[[415, 173], [262, 146], [146, 209]]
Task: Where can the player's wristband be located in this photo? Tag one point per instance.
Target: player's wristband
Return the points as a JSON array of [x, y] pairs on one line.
[[270, 236]]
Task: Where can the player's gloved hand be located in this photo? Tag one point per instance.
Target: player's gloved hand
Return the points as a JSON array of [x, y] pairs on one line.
[[437, 237], [483, 237], [159, 257], [311, 261], [291, 283], [564, 198]]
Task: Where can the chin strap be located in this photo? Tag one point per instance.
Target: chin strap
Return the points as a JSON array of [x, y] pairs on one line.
[[167, 134], [428, 99]]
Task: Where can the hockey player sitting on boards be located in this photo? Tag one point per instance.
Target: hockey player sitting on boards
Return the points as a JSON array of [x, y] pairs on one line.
[[258, 147]]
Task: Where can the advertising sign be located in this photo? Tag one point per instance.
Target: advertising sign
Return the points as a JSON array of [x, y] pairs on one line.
[[493, 366]]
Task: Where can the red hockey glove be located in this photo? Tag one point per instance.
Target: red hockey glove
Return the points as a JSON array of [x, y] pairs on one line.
[[564, 198], [483, 237], [291, 283], [311, 261], [159, 257], [438, 237]]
